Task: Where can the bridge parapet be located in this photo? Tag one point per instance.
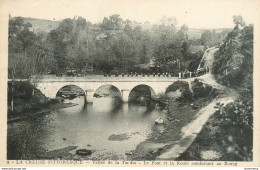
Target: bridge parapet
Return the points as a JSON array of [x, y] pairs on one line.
[[101, 79]]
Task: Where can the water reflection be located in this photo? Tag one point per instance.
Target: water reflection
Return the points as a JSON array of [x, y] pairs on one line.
[[107, 104]]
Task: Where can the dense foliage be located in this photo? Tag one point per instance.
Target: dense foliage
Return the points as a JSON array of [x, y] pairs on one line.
[[115, 45], [233, 64]]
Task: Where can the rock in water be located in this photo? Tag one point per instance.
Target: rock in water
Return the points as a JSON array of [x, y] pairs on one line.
[[83, 152], [159, 121], [129, 153]]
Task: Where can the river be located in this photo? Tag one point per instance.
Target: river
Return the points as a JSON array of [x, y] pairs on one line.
[[107, 127]]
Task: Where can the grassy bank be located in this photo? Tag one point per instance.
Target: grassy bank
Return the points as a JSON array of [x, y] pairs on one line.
[[179, 111]]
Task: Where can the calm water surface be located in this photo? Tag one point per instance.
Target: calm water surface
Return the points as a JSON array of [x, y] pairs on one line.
[[102, 126]]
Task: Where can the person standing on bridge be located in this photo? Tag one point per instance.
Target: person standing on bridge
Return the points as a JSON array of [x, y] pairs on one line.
[[182, 75]]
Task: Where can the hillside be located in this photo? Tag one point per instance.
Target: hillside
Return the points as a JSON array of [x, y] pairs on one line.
[[233, 64], [42, 25], [228, 133]]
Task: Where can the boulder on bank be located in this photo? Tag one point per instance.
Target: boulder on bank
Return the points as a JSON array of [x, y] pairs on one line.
[[201, 90], [83, 152], [198, 89]]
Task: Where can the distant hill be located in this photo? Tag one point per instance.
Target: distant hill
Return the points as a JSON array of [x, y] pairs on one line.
[[194, 33], [42, 25]]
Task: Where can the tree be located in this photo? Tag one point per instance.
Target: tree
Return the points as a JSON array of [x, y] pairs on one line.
[[107, 24], [28, 54], [56, 38], [128, 26], [166, 30], [182, 34], [66, 26], [211, 38], [171, 21], [113, 23], [20, 37], [116, 20], [169, 57], [184, 28], [143, 54], [238, 21], [123, 51]]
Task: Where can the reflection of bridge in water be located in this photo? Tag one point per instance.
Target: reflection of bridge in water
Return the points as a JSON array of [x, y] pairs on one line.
[[50, 85]]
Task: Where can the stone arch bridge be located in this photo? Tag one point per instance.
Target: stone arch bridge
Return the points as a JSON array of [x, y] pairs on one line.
[[50, 85]]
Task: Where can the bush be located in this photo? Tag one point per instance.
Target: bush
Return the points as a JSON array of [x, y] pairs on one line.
[[177, 85], [21, 90]]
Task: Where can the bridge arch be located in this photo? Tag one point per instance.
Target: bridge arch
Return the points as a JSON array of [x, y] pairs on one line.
[[70, 89], [141, 90], [107, 90]]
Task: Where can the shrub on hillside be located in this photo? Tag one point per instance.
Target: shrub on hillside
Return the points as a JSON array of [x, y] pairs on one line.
[[177, 85], [186, 95]]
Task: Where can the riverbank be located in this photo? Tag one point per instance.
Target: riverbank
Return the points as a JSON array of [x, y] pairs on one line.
[[29, 102], [51, 107], [164, 136]]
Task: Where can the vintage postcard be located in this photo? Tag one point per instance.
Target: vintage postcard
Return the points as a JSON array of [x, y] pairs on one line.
[[129, 83]]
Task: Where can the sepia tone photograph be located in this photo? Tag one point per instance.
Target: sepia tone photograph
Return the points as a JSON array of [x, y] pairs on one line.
[[128, 81]]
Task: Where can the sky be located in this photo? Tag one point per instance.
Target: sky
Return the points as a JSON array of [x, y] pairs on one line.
[[194, 13]]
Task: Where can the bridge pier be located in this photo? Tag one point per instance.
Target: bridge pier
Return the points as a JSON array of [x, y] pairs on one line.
[[125, 95], [89, 95]]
